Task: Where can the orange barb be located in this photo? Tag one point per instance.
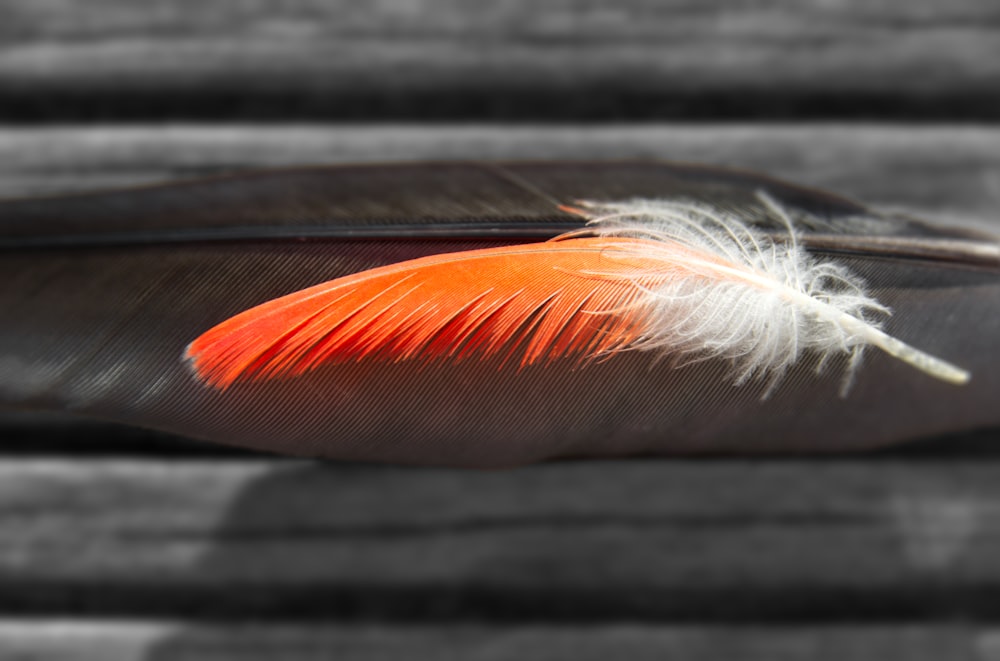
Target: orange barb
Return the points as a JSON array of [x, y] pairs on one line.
[[542, 301]]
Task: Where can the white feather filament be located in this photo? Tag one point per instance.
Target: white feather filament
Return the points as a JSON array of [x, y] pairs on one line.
[[757, 303]]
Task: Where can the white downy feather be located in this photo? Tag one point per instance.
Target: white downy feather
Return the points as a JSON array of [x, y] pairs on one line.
[[760, 304]]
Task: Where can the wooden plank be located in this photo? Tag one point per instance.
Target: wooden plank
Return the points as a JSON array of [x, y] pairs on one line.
[[951, 173], [153, 640], [770, 46], [735, 538]]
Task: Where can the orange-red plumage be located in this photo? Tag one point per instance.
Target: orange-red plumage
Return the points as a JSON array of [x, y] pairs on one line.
[[530, 303]]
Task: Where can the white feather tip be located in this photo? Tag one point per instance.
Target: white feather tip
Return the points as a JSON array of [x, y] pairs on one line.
[[757, 302]]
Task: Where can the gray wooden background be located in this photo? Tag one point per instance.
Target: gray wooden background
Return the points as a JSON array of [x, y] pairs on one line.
[[121, 545]]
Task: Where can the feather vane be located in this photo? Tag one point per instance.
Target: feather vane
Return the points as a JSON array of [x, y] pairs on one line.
[[538, 299]]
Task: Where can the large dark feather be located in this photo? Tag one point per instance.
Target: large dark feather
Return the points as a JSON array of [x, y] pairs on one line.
[[101, 294]]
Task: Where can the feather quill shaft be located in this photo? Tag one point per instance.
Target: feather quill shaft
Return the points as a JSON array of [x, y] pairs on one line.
[[684, 279]]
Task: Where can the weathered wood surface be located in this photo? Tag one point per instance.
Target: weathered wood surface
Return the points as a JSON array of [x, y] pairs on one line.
[[160, 641], [743, 540], [177, 557], [950, 173], [571, 53]]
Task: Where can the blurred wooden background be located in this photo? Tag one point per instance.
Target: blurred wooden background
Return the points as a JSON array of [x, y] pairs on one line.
[[117, 544]]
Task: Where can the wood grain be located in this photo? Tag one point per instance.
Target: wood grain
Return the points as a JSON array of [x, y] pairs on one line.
[[738, 539], [152, 641], [772, 45], [949, 173], [255, 558]]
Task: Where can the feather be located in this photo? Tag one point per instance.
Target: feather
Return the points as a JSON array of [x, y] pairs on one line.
[[686, 280], [103, 291]]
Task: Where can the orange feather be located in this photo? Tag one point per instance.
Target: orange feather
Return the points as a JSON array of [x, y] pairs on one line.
[[573, 297]]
